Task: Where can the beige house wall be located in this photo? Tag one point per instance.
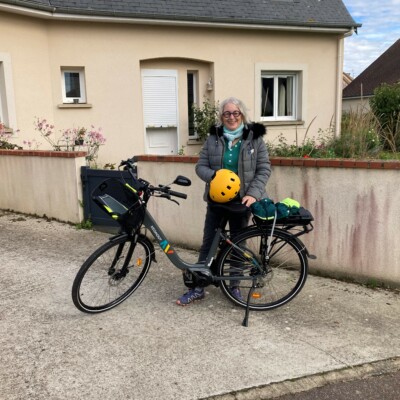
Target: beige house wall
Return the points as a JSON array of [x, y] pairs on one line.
[[114, 54], [25, 43]]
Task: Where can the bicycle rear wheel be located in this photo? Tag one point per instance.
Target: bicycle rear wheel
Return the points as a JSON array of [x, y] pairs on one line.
[[111, 274], [278, 276]]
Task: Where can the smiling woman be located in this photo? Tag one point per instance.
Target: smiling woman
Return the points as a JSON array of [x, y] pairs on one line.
[[234, 145]]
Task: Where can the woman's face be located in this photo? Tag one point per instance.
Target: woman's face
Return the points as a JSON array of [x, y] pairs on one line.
[[231, 121]]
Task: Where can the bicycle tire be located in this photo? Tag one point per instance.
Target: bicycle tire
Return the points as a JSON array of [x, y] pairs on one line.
[[102, 282], [283, 275]]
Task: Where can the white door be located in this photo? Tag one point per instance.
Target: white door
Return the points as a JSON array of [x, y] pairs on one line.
[[160, 110]]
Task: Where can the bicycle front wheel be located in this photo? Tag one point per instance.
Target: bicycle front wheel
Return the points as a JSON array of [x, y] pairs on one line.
[[111, 274], [277, 275]]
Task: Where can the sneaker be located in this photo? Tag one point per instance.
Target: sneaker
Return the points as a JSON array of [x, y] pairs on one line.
[[236, 293], [191, 296]]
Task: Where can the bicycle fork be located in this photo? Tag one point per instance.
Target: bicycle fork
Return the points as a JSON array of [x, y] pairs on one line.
[[127, 258]]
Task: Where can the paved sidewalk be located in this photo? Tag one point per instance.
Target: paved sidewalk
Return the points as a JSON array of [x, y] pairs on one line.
[[149, 348]]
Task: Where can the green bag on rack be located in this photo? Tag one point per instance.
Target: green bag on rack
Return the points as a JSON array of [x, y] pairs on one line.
[[264, 209], [287, 207]]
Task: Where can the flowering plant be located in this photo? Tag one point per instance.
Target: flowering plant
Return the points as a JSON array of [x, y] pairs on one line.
[[71, 138], [93, 140]]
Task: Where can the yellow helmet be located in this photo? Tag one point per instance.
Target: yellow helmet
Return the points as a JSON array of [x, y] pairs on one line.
[[225, 186]]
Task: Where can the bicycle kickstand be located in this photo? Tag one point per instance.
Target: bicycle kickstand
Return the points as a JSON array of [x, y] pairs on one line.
[[246, 316]]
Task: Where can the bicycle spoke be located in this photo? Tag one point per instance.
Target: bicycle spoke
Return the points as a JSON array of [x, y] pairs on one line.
[[278, 276], [111, 275]]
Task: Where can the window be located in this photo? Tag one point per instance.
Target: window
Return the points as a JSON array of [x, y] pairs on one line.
[[279, 96], [192, 99], [73, 85]]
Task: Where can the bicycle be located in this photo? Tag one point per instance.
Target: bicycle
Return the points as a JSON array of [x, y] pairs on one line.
[[266, 260]]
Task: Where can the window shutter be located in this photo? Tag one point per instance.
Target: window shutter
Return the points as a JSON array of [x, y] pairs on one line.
[[160, 101]]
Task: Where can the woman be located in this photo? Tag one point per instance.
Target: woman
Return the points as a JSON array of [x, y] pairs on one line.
[[236, 144]]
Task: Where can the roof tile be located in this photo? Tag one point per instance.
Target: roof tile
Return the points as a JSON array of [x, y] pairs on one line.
[[319, 13], [385, 69]]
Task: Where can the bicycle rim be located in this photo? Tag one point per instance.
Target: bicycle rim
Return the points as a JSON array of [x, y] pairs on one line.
[[282, 274], [111, 274]]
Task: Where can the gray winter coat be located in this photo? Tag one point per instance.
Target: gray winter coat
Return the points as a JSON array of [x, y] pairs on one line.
[[254, 165]]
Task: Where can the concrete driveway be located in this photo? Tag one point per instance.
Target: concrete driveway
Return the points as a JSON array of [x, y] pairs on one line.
[[149, 348]]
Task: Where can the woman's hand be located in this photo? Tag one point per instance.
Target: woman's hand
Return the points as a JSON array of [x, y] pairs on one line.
[[248, 200]]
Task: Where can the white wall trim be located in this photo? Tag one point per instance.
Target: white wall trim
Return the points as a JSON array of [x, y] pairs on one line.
[[9, 103]]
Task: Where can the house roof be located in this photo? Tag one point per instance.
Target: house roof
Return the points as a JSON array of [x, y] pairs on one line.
[[301, 13], [384, 69]]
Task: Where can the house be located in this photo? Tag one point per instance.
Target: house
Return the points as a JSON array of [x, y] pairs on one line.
[[135, 68], [347, 79], [385, 69]]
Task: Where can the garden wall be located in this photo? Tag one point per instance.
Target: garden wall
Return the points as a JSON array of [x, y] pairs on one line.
[[354, 203], [42, 183]]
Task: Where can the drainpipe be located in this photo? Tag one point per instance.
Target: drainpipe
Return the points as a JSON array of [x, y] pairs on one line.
[[339, 86]]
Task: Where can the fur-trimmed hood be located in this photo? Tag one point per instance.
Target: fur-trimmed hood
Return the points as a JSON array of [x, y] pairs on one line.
[[258, 130]]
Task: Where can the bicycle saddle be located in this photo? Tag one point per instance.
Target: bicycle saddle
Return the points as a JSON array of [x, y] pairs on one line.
[[233, 207]]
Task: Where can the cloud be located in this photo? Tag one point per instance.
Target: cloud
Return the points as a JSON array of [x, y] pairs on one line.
[[380, 29]]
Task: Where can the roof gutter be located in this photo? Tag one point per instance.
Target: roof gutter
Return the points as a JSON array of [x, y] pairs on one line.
[[51, 13]]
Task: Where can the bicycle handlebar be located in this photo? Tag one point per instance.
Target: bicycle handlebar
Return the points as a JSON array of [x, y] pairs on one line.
[[128, 165], [178, 194]]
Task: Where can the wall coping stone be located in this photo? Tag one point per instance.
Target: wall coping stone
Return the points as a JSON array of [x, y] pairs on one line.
[[43, 153], [278, 161], [292, 161]]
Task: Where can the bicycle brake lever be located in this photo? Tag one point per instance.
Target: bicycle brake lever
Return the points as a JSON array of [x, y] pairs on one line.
[[168, 197]]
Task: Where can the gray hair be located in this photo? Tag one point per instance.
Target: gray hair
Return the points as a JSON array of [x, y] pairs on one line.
[[239, 104]]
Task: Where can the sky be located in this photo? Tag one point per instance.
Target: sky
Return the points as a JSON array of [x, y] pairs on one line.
[[380, 21]]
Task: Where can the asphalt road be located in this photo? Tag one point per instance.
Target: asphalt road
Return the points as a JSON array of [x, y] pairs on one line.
[[382, 387]]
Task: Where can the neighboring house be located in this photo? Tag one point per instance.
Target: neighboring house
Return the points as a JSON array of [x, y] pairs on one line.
[[385, 69], [347, 79], [136, 67]]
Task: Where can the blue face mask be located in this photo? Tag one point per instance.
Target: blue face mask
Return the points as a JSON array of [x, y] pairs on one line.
[[232, 135]]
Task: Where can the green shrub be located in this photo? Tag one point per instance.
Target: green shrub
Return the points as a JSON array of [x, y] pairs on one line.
[[385, 104], [204, 117]]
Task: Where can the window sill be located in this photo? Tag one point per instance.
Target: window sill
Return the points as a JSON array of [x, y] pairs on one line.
[[282, 123], [194, 142], [75, 105]]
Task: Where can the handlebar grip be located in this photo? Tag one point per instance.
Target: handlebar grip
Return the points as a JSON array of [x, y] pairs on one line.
[[129, 162], [177, 194]]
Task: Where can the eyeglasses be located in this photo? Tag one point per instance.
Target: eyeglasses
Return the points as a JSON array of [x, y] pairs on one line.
[[227, 114]]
